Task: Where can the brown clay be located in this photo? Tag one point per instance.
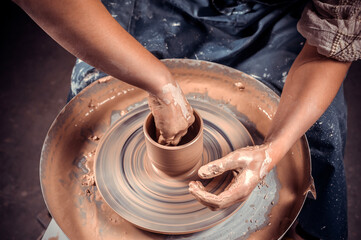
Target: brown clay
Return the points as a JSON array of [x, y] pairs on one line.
[[175, 160], [146, 196]]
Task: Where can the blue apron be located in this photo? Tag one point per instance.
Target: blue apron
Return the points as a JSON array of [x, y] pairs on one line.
[[261, 40]]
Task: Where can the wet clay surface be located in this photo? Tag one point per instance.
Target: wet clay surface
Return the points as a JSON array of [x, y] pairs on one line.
[[67, 163], [172, 160], [150, 198]]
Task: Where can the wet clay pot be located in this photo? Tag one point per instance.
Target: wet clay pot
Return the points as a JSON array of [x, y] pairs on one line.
[[175, 160]]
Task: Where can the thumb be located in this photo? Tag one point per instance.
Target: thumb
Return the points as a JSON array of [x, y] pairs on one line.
[[217, 167]]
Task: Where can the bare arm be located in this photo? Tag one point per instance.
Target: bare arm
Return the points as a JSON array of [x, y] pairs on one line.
[[311, 85], [87, 30]]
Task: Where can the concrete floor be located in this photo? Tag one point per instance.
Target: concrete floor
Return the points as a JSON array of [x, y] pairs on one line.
[[34, 85]]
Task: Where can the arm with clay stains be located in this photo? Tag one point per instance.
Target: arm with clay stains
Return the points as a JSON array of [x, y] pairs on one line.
[[312, 83], [87, 30]]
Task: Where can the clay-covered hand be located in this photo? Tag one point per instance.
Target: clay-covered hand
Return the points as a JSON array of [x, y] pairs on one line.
[[172, 114], [249, 166]]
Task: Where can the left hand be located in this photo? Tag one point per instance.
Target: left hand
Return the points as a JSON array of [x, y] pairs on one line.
[[172, 114], [249, 166]]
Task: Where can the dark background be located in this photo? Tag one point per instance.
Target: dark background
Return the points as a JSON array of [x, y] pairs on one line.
[[35, 80]]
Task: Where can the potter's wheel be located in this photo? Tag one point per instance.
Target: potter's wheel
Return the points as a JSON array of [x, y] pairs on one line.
[[150, 199], [68, 157]]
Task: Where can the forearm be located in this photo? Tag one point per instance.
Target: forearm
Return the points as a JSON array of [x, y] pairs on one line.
[[87, 30], [312, 83]]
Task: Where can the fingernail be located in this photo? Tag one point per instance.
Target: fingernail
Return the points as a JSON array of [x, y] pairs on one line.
[[209, 170]]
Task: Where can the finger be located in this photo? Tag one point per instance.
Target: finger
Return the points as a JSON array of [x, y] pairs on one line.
[[165, 141], [162, 140], [217, 167], [195, 185], [215, 202], [178, 138], [170, 141], [210, 200]]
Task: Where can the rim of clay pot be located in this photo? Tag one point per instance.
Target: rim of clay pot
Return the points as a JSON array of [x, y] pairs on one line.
[[178, 147]]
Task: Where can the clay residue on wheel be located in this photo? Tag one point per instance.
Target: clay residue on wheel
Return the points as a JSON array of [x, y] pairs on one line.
[[150, 198], [66, 167], [67, 171]]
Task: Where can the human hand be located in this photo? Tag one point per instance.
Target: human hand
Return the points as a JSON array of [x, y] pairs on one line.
[[249, 166], [172, 114]]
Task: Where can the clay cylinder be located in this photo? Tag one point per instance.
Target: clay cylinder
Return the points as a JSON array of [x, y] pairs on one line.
[[175, 160]]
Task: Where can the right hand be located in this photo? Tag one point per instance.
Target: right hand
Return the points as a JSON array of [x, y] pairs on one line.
[[249, 165], [172, 113]]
